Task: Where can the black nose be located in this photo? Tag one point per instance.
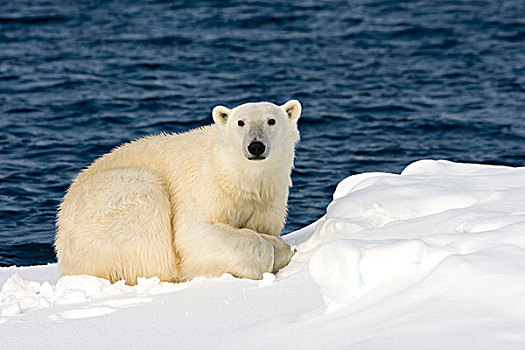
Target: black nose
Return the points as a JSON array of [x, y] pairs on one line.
[[256, 148]]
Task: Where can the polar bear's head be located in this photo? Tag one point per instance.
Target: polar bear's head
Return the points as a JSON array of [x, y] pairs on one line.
[[260, 131]]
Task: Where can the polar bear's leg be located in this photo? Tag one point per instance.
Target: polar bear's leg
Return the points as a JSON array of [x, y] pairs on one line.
[[116, 224], [211, 249]]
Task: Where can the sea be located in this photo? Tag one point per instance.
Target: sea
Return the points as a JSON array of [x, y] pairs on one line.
[[382, 84]]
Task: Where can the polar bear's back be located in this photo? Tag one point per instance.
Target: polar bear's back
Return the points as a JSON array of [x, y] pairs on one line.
[[165, 153]]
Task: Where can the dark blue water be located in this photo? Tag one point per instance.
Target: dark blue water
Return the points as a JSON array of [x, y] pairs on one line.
[[382, 83]]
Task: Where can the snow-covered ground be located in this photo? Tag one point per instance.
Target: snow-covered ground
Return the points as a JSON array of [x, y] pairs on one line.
[[433, 258]]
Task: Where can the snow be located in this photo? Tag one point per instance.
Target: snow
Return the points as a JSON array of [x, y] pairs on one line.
[[432, 258], [19, 295]]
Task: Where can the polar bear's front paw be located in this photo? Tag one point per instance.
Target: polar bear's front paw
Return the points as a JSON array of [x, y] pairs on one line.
[[282, 252]]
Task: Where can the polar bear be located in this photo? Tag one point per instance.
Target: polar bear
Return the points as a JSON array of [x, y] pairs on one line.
[[201, 203]]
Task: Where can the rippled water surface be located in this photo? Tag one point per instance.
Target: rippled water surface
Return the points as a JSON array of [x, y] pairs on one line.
[[382, 83]]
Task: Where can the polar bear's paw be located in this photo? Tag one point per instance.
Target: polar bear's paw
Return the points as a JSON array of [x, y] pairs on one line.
[[282, 252]]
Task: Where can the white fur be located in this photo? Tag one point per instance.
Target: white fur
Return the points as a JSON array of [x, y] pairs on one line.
[[180, 206]]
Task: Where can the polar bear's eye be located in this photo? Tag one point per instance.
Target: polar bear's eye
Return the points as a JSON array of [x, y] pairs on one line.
[[271, 121], [240, 123]]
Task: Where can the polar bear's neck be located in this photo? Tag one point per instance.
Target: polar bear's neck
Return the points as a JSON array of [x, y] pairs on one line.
[[259, 181]]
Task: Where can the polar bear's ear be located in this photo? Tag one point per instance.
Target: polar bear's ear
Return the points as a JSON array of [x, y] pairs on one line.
[[220, 114], [293, 109]]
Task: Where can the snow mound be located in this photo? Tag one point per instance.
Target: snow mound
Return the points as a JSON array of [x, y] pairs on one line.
[[383, 233]]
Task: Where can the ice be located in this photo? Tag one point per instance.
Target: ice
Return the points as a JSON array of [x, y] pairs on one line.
[[431, 258]]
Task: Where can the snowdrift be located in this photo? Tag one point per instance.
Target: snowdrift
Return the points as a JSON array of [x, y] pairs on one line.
[[432, 258]]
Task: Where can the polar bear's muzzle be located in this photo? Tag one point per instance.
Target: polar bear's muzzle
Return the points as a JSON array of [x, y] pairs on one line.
[[256, 150]]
